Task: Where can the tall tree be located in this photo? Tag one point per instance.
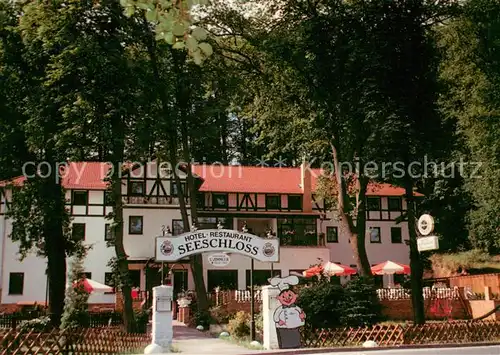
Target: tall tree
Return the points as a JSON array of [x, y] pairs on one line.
[[470, 73]]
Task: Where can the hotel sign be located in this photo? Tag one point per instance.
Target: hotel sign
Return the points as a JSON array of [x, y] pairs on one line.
[[216, 240]]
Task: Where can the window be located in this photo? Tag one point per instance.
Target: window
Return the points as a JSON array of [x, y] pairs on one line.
[[135, 225], [213, 222], [16, 283], [177, 227], [137, 188], [375, 235], [109, 280], [332, 235], [87, 275], [107, 199], [219, 201], [78, 231], [396, 235], [108, 232], [373, 204], [260, 277], [295, 202], [175, 190], [200, 200], [80, 198], [395, 204], [273, 202], [297, 231]]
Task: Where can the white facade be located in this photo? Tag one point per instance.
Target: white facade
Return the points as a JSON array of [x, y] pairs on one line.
[[157, 206]]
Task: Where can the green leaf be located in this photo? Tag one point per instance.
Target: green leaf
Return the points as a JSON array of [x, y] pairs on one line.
[[144, 6], [152, 15], [124, 3], [191, 43], [199, 33], [179, 45], [178, 30], [129, 11], [197, 57], [169, 37], [206, 48]]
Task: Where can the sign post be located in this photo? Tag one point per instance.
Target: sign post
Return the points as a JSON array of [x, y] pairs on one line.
[[162, 329], [425, 226]]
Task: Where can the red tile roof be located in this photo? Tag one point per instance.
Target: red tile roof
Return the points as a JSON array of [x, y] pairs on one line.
[[216, 178], [251, 179], [78, 175]]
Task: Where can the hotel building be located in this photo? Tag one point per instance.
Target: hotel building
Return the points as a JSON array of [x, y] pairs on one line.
[[279, 199]]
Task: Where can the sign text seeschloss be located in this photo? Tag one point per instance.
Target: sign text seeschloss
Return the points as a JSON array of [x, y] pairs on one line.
[[214, 240]]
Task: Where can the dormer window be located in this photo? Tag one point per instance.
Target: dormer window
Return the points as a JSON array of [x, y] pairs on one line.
[[219, 200], [80, 198], [137, 188]]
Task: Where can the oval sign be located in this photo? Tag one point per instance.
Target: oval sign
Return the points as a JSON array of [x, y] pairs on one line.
[[425, 224], [219, 259]]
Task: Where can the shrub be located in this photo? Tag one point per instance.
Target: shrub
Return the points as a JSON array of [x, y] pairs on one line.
[[360, 305], [202, 318], [239, 326], [36, 324], [142, 320], [259, 322], [320, 303], [220, 315]]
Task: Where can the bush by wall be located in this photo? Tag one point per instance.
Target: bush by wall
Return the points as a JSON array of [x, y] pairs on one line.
[[239, 325], [320, 303], [360, 305]]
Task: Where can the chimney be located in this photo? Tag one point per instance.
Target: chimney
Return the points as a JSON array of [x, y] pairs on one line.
[[305, 184]]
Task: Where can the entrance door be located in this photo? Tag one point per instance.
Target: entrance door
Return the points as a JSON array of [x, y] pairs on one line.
[[180, 281], [225, 279], [153, 279]]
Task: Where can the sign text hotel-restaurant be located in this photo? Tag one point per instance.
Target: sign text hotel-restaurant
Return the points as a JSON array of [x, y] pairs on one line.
[[217, 240]]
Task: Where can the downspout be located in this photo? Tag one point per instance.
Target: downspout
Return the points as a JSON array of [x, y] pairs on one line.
[[2, 233]]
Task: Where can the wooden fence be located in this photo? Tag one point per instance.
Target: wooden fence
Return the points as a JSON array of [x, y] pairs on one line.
[[78, 342], [97, 319], [397, 335]]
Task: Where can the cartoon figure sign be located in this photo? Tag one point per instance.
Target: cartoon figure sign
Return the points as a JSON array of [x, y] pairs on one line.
[[287, 317]]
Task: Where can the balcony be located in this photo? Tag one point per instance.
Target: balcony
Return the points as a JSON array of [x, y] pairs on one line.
[[152, 200], [299, 239]]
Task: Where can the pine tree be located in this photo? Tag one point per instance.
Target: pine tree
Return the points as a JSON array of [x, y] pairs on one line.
[[76, 302]]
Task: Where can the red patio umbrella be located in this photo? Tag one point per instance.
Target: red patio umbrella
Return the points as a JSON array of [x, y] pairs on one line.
[[93, 286], [329, 269], [333, 269], [313, 271], [390, 268]]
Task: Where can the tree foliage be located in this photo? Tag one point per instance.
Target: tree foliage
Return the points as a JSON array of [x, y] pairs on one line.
[[471, 75]]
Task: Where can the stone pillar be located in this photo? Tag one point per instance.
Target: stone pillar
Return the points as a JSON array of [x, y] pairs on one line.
[[185, 315], [487, 293], [269, 305], [162, 330]]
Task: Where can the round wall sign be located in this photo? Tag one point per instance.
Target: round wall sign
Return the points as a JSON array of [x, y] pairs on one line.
[[219, 259], [425, 224]]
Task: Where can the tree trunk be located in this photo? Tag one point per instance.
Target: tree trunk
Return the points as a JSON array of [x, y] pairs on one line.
[[118, 150], [356, 233], [417, 297], [55, 246], [362, 257], [196, 261], [121, 256]]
